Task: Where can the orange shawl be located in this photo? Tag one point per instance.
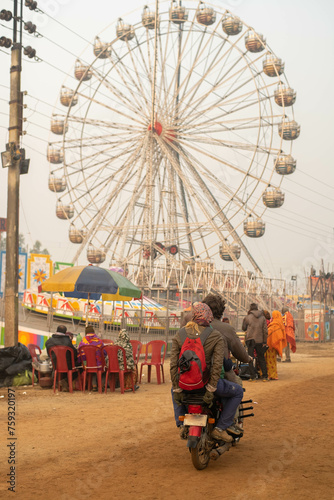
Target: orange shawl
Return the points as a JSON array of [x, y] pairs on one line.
[[276, 333], [290, 330]]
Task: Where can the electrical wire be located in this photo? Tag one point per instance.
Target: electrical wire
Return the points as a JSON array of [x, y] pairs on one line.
[[315, 179], [313, 233], [312, 190]]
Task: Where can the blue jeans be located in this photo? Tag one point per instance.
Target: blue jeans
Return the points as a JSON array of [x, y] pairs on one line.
[[229, 393]]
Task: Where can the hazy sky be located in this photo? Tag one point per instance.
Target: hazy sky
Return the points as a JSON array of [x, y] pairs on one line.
[[299, 31]]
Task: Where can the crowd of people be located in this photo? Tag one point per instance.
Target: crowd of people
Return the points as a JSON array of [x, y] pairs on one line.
[[64, 338], [268, 338]]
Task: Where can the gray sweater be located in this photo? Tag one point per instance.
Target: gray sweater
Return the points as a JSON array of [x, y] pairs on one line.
[[255, 326]]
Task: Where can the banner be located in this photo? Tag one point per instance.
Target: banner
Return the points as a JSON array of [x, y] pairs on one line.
[[39, 270], [23, 257], [59, 266]]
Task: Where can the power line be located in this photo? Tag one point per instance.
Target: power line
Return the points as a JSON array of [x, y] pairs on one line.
[[312, 190], [315, 179], [310, 201], [69, 29]]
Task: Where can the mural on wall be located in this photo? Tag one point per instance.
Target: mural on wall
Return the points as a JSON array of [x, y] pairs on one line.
[[23, 258], [39, 270], [59, 266]]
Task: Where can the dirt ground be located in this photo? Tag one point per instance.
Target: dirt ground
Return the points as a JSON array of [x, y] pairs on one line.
[[87, 446]]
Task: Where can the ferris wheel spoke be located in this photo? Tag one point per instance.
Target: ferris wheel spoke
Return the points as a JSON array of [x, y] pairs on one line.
[[96, 188], [223, 187], [187, 140], [129, 79], [125, 167], [163, 68], [255, 179], [99, 152], [139, 80], [221, 161], [101, 212], [114, 110], [204, 206], [239, 105], [207, 70], [190, 95], [219, 214], [119, 95], [179, 199], [137, 192], [223, 80], [173, 79]]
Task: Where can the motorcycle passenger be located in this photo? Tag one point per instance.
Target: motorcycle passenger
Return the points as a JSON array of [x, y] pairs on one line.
[[233, 344], [228, 392]]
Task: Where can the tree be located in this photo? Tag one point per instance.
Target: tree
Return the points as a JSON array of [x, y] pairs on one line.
[[37, 248], [21, 243]]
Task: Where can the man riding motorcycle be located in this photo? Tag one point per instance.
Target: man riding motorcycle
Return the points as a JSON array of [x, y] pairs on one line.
[[227, 392], [232, 341]]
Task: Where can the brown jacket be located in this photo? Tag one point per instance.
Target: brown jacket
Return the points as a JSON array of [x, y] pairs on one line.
[[214, 355], [255, 324], [233, 343]]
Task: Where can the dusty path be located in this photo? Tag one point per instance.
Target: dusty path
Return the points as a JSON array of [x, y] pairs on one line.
[[87, 446]]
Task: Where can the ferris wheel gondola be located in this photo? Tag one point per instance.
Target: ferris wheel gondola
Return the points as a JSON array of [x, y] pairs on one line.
[[180, 132]]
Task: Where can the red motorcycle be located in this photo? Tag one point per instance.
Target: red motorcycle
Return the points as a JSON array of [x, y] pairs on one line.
[[200, 422]]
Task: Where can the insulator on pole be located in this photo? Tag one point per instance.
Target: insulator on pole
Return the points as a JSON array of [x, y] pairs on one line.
[[6, 15], [32, 5], [5, 42], [29, 51], [30, 27]]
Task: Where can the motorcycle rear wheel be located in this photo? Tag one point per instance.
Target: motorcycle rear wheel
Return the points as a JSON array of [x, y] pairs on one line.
[[200, 456]]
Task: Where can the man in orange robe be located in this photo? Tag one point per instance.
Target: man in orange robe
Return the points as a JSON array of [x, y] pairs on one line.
[[289, 332]]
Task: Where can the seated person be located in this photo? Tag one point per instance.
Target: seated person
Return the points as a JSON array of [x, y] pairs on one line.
[[63, 338], [123, 340], [91, 338]]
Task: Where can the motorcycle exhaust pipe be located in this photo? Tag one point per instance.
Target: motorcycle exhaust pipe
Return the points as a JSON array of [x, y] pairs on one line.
[[248, 408], [246, 402], [215, 454], [245, 416]]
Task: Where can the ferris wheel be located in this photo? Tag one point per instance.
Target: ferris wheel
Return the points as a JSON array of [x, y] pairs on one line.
[[174, 140]]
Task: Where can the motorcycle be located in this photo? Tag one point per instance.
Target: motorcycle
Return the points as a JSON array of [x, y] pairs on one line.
[[200, 422]]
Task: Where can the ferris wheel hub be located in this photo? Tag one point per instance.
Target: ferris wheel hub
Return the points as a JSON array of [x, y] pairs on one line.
[[167, 133], [156, 128]]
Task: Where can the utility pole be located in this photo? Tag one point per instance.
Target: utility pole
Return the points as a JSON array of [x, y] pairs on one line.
[[14, 158], [12, 242]]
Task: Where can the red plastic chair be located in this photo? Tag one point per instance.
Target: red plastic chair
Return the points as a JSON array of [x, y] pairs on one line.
[[35, 351], [60, 352], [113, 369], [89, 362], [136, 348], [107, 341], [159, 348]]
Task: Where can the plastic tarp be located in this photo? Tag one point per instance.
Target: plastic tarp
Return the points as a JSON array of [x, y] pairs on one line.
[[13, 360]]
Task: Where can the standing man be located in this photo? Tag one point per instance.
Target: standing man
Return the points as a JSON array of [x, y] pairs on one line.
[[290, 328], [255, 326]]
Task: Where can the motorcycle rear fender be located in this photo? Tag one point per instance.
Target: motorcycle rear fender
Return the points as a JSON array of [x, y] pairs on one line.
[[195, 433], [192, 441]]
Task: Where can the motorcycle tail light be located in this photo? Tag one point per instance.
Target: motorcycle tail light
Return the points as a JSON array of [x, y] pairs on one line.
[[181, 418], [210, 420], [194, 409]]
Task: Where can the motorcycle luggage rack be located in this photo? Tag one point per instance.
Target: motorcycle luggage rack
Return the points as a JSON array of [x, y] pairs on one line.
[[193, 399]]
